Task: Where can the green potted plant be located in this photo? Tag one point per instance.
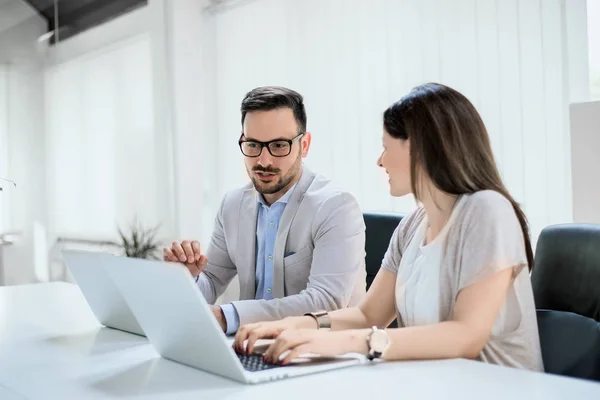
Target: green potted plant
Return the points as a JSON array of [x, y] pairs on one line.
[[140, 242]]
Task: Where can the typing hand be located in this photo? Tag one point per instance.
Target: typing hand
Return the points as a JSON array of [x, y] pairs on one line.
[[187, 253], [294, 343], [268, 330]]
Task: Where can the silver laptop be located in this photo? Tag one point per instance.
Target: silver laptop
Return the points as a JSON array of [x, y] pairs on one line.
[[179, 323], [103, 297]]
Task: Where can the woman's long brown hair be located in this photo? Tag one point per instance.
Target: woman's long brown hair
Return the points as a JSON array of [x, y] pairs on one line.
[[450, 144]]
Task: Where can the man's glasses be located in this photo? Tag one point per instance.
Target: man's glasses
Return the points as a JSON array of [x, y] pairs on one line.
[[277, 148]]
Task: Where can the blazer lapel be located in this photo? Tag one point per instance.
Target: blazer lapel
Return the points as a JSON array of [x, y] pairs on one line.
[[284, 227], [246, 251]]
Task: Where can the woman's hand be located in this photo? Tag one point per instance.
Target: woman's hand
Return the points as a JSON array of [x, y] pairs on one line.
[[269, 330], [320, 342]]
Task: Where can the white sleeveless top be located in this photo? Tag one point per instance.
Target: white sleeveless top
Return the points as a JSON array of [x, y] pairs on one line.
[[481, 237], [418, 281]]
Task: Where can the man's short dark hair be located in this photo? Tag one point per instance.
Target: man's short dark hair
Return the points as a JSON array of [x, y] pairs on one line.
[[267, 98]]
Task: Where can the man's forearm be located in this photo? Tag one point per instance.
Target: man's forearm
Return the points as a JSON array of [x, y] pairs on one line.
[[309, 300], [206, 288]]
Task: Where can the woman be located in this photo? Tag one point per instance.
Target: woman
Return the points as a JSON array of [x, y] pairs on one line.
[[456, 268]]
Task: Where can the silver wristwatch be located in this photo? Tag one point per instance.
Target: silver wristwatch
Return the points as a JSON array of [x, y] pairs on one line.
[[322, 318], [378, 341]]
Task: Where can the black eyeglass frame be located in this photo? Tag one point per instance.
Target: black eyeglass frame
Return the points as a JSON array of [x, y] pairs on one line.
[[262, 145]]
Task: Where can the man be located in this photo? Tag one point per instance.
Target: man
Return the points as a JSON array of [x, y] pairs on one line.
[[295, 241]]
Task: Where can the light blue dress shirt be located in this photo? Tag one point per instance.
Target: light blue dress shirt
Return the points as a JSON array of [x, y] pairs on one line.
[[266, 233]]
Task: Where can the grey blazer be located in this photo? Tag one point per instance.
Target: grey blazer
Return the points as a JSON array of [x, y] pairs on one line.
[[319, 257]]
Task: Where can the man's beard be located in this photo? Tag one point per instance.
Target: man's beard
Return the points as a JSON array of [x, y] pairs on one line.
[[281, 183]]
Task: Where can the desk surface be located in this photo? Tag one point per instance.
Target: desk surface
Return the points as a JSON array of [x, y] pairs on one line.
[[51, 346]]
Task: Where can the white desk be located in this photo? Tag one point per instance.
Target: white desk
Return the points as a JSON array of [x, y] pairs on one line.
[[51, 346]]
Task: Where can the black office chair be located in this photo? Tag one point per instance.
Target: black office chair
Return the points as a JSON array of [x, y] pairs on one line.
[[565, 281], [570, 344], [566, 273], [379, 230]]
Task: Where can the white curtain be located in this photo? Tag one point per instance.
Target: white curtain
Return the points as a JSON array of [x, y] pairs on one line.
[[100, 141], [353, 58]]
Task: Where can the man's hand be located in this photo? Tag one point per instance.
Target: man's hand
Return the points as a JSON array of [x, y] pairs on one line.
[[218, 312], [187, 253]]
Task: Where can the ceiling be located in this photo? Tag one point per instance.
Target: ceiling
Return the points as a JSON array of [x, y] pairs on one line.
[[76, 16]]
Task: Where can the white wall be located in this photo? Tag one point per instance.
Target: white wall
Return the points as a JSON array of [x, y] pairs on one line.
[[190, 39], [188, 33], [576, 47], [593, 26], [585, 145], [4, 198], [13, 13], [352, 58], [24, 139]]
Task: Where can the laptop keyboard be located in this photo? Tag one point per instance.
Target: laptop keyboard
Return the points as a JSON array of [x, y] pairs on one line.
[[254, 363]]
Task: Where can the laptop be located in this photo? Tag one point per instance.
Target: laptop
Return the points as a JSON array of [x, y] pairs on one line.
[[179, 323], [103, 297]]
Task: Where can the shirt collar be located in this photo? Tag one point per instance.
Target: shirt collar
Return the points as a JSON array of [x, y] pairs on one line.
[[284, 199]]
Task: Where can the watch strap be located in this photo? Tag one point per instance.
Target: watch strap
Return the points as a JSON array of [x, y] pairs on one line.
[[322, 318]]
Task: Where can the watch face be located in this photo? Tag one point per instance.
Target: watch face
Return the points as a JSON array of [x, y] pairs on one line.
[[379, 340]]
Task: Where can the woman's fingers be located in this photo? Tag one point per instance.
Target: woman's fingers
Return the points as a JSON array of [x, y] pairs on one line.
[[302, 349], [287, 340]]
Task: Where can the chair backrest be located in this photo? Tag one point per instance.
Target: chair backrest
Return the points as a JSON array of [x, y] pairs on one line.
[[570, 344], [379, 230], [566, 274]]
